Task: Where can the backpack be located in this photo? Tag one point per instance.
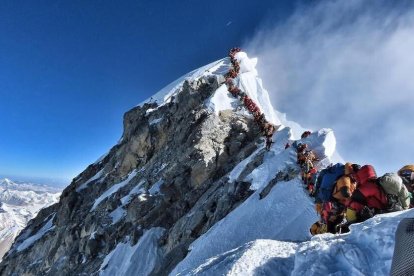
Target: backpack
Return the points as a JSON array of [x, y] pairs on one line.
[[393, 204], [367, 174], [393, 185], [327, 179], [343, 189], [389, 187], [318, 179], [364, 174]]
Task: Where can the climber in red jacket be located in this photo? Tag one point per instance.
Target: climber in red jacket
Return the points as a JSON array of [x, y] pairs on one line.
[[368, 199]]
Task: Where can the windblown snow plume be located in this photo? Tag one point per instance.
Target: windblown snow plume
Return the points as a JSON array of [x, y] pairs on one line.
[[347, 65]]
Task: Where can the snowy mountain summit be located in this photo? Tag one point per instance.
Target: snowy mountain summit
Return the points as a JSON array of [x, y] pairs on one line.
[[19, 203], [191, 190]]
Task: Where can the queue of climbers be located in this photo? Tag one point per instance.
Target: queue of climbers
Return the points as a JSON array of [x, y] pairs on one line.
[[267, 128], [344, 193], [350, 193]]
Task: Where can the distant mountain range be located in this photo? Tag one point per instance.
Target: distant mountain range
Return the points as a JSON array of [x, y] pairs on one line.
[[61, 183], [19, 203]]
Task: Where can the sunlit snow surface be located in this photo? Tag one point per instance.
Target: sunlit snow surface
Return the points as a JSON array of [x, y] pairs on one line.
[[97, 176], [366, 250], [39, 234], [164, 95], [113, 190], [259, 257], [131, 260]]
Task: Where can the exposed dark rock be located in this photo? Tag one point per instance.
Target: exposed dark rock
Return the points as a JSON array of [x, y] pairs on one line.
[[181, 147], [287, 175]]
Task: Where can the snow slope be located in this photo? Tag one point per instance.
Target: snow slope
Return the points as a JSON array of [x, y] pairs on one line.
[[20, 202], [285, 214], [127, 259], [113, 190], [259, 257], [366, 250], [260, 235], [271, 236], [39, 234], [165, 95]]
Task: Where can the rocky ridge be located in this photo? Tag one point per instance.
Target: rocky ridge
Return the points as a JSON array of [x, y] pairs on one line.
[[168, 172]]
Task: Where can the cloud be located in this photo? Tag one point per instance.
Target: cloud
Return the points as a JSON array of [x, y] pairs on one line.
[[347, 65]]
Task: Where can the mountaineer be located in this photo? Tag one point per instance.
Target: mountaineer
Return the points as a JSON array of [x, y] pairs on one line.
[[376, 195], [330, 210], [305, 134], [407, 175], [346, 194], [335, 186], [268, 131]]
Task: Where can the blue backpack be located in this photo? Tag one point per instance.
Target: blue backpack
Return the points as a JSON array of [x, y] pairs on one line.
[[327, 179]]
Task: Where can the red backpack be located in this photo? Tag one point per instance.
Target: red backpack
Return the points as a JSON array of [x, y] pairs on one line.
[[364, 174], [368, 192]]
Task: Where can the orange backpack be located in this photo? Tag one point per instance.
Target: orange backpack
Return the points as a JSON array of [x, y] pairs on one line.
[[344, 188]]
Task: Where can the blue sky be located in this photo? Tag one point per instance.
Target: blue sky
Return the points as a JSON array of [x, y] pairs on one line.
[[70, 69]]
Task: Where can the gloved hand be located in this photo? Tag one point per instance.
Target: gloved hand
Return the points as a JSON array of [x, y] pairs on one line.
[[366, 213]]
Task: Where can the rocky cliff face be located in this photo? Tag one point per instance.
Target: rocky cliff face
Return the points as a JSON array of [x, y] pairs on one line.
[[169, 172]]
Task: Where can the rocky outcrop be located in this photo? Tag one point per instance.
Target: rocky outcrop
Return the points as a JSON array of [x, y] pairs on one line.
[[169, 170], [287, 175]]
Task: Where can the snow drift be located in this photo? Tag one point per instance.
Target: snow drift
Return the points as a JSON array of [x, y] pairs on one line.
[[366, 250]]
